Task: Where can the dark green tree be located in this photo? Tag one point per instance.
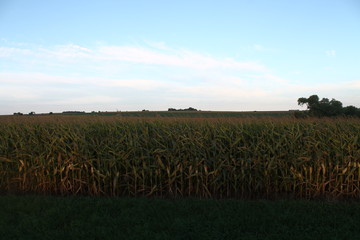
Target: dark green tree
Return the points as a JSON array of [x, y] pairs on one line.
[[325, 107], [351, 111], [310, 102]]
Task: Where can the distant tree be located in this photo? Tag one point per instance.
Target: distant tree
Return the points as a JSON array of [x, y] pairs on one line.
[[351, 111], [336, 108], [311, 103], [186, 109], [73, 112], [51, 113], [325, 107], [31, 113]]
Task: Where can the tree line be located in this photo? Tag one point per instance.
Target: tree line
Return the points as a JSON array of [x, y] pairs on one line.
[[186, 109], [315, 108], [325, 108]]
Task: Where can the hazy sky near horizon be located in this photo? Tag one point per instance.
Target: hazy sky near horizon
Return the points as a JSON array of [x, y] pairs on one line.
[[211, 55]]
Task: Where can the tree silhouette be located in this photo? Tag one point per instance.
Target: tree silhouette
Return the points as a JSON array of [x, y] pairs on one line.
[[326, 107]]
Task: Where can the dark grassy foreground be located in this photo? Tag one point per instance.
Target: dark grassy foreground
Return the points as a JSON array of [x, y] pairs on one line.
[[46, 217]]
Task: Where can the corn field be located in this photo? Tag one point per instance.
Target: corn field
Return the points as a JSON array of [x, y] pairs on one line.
[[221, 158]]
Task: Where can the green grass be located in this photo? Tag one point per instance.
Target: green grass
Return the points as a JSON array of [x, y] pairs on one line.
[[47, 217]]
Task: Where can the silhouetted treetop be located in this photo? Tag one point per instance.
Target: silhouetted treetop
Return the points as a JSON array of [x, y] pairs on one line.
[[326, 107]]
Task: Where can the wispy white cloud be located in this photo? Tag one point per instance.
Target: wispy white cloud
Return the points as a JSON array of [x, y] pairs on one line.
[[275, 79], [327, 87], [354, 84], [40, 79], [158, 45], [220, 92], [258, 47], [67, 51], [153, 75], [15, 94], [156, 54], [139, 84], [35, 78], [177, 58], [87, 100], [330, 53], [6, 52], [230, 93]]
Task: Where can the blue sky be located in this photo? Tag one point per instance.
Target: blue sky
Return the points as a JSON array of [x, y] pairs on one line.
[[211, 55]]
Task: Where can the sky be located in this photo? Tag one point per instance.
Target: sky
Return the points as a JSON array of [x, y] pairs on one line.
[[129, 55]]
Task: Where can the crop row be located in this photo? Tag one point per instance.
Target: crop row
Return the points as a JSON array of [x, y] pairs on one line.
[[257, 159]]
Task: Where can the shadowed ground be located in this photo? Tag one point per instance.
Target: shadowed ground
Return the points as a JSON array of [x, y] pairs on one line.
[[47, 217]]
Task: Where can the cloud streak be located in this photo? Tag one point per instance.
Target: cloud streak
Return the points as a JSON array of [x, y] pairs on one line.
[[152, 76], [7, 52], [136, 94], [177, 58], [330, 53], [151, 55]]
